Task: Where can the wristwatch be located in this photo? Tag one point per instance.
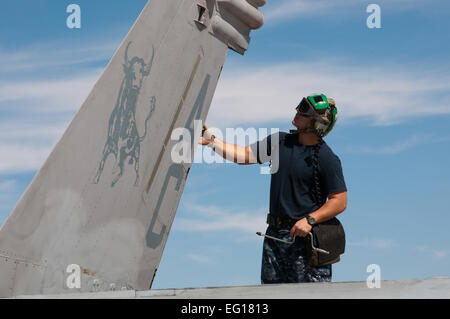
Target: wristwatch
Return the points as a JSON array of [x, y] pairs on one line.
[[310, 220]]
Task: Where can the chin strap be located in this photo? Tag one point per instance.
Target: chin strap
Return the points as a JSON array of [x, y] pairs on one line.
[[313, 128], [310, 129], [307, 130]]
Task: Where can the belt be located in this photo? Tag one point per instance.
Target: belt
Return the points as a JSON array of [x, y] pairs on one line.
[[281, 223]]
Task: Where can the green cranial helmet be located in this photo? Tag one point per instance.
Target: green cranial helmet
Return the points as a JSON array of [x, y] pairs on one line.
[[321, 110]]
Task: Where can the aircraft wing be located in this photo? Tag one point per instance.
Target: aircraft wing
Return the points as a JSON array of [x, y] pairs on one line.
[[97, 215]]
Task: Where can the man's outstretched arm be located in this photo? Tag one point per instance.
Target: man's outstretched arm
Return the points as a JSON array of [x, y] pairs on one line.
[[242, 155]]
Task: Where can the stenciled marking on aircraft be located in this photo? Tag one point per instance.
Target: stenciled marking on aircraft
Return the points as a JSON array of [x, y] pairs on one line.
[[123, 137], [172, 125], [176, 170]]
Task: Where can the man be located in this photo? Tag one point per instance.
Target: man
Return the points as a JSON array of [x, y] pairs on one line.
[[307, 169]]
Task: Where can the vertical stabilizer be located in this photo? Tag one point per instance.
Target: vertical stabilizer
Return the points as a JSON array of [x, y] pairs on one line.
[[102, 205]]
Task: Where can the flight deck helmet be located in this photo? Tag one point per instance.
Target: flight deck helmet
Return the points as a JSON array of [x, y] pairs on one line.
[[322, 110]]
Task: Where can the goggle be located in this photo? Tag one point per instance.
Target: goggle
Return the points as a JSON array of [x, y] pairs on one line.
[[306, 109]]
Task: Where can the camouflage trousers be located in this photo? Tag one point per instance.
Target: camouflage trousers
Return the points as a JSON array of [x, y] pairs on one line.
[[285, 263]]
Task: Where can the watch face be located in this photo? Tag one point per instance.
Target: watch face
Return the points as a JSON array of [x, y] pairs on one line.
[[311, 220]]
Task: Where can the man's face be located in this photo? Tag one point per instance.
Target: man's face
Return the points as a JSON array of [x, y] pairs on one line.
[[301, 122]]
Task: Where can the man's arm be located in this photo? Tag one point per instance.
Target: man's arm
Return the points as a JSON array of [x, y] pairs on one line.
[[242, 155], [335, 205]]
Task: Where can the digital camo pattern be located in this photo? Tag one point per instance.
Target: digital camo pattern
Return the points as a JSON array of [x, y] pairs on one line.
[[285, 263], [123, 137]]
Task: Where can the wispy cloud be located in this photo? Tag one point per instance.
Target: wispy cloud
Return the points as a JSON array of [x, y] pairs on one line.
[[434, 252], [202, 259], [30, 132], [7, 185], [60, 95], [25, 146], [208, 218], [397, 147], [281, 10], [440, 253], [379, 243], [285, 9], [252, 95], [54, 55], [382, 95], [389, 149], [53, 76], [36, 111], [18, 158], [8, 193]]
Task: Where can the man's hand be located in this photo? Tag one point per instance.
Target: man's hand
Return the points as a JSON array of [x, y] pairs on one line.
[[206, 137], [301, 228]]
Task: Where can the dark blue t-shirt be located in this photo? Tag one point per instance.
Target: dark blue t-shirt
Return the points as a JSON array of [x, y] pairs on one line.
[[292, 186]]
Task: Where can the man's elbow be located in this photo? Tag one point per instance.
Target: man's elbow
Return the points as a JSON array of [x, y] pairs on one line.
[[344, 203], [341, 202], [343, 207]]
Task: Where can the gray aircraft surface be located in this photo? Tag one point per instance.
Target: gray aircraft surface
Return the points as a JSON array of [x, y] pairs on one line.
[[98, 213]]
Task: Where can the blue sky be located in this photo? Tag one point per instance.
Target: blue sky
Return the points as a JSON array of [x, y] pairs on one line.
[[392, 87]]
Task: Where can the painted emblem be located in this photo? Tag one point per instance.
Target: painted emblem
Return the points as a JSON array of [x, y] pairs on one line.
[[123, 139]]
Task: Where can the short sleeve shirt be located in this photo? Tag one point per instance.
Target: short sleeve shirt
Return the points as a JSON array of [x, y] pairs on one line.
[[292, 187]]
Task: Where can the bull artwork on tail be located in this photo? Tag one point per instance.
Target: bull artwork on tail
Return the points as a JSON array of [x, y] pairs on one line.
[[123, 137]]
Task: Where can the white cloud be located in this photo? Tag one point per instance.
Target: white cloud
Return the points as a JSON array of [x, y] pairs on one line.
[[399, 146], [379, 243], [285, 9], [251, 95], [30, 133], [25, 141], [208, 218], [440, 253], [382, 94], [25, 146], [32, 78], [19, 158], [435, 253], [202, 259], [389, 149], [48, 56], [7, 186], [35, 113], [281, 10], [60, 95], [255, 95]]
